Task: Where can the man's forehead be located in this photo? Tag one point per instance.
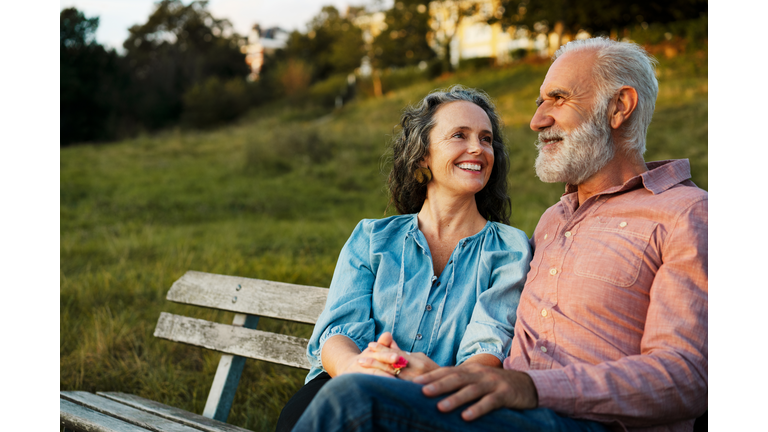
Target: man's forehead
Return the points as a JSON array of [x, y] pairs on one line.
[[573, 69]]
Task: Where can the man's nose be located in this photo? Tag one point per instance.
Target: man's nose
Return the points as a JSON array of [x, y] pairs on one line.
[[541, 119]]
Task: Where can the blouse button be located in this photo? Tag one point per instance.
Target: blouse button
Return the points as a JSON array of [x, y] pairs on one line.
[[418, 336], [429, 307], [623, 224], [553, 271], [567, 233], [543, 349], [543, 312]]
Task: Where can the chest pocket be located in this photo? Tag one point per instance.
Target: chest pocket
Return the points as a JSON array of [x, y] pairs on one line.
[[612, 249]]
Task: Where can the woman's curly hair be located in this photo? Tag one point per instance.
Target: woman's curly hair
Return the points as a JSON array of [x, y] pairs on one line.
[[411, 144]]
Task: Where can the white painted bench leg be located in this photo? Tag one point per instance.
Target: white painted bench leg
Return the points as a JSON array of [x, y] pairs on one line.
[[227, 377]]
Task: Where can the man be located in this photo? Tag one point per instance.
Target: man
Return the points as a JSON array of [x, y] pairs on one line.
[[612, 324]]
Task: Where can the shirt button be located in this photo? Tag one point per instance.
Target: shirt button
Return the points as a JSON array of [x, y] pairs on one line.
[[567, 233], [429, 307], [418, 336], [623, 224], [438, 283], [553, 271], [543, 312], [545, 236], [543, 349]]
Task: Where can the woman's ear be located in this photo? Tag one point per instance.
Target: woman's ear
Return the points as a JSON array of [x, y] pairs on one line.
[[623, 106]]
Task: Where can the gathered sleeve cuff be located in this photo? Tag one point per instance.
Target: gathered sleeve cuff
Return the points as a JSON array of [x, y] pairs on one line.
[[492, 325]]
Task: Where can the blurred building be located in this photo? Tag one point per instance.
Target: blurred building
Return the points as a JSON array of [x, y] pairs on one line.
[[461, 27], [261, 42]]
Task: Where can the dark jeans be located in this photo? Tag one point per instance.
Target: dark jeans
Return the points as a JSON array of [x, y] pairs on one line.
[[367, 403], [299, 402]]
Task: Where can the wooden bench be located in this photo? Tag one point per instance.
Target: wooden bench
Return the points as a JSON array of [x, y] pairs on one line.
[[249, 299]]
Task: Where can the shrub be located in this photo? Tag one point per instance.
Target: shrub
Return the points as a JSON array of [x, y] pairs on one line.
[[213, 102], [325, 92]]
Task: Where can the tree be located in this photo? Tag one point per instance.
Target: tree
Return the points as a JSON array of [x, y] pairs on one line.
[[89, 78], [447, 16], [179, 46], [597, 16], [404, 42], [332, 45]]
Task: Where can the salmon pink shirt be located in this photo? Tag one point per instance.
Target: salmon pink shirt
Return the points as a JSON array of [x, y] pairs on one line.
[[612, 322]]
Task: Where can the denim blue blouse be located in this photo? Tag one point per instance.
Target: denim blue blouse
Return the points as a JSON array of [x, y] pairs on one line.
[[384, 281]]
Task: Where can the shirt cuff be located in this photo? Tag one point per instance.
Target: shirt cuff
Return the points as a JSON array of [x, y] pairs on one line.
[[555, 390], [335, 332]]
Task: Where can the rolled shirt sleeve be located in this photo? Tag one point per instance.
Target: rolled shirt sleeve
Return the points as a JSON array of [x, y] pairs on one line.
[[491, 326]]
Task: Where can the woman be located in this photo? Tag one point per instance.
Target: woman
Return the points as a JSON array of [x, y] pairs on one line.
[[443, 279]]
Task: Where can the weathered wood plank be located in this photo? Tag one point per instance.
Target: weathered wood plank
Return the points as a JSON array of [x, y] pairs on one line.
[[176, 414], [299, 303], [126, 413], [227, 377], [255, 344], [81, 419]]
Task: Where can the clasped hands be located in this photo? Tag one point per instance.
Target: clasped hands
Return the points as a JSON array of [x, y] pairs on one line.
[[490, 387]]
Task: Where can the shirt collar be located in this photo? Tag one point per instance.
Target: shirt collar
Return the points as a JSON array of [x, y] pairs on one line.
[[661, 175]]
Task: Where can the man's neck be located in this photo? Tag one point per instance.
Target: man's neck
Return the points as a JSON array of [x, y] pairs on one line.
[[620, 169]]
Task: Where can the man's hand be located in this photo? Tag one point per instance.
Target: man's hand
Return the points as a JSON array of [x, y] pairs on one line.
[[492, 388]]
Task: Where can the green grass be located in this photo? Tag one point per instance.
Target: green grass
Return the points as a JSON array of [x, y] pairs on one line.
[[273, 196]]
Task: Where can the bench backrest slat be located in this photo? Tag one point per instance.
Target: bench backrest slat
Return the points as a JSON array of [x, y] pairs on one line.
[[255, 344], [280, 300]]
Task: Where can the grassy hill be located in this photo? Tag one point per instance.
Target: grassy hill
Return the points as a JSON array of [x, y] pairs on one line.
[[273, 196]]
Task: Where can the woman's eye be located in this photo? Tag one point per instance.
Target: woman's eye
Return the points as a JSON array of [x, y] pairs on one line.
[[457, 135]]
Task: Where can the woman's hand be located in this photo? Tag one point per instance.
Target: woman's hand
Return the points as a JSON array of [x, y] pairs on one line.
[[342, 356], [382, 354]]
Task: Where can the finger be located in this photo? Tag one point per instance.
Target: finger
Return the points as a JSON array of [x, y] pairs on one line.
[[385, 339], [375, 346], [372, 363], [394, 345], [384, 357], [485, 405], [449, 382], [434, 375], [464, 395]]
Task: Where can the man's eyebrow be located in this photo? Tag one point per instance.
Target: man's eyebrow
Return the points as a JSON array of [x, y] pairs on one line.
[[552, 93], [558, 92]]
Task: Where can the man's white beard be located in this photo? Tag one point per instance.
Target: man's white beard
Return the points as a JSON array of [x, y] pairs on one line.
[[580, 154]]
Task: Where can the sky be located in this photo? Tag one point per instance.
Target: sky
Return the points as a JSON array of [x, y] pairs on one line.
[[116, 16]]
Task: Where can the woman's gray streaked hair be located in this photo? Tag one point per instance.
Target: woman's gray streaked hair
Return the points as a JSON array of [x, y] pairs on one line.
[[618, 64], [411, 144]]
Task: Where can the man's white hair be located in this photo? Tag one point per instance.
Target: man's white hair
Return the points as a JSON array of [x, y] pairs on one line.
[[620, 64]]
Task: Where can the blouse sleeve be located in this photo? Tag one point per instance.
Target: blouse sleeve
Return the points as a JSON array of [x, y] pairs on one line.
[[491, 327], [347, 310]]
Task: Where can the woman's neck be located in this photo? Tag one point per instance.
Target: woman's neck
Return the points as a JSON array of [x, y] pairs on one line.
[[445, 223], [450, 218]]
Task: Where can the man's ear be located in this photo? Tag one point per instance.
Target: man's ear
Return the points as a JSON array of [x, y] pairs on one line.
[[623, 107]]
